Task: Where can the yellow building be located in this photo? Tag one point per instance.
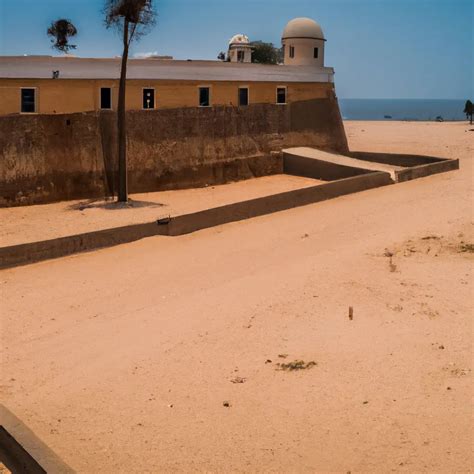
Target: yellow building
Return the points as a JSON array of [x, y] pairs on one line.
[[59, 85]]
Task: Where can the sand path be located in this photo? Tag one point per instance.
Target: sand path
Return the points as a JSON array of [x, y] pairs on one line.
[[120, 359]]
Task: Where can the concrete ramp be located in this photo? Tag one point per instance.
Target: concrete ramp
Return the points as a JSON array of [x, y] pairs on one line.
[[330, 166], [314, 163]]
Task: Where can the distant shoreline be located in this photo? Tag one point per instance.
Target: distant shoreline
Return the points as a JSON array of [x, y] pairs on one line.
[[406, 110]]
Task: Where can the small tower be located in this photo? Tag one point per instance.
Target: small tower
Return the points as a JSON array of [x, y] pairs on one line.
[[240, 50], [303, 43]]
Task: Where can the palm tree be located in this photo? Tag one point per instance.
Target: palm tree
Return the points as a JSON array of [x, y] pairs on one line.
[[60, 31], [132, 18], [469, 110]]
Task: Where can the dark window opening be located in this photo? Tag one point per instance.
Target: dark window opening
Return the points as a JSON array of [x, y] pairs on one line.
[[148, 98], [105, 98], [28, 104], [240, 56], [243, 96], [204, 97], [316, 53], [281, 95], [292, 51]]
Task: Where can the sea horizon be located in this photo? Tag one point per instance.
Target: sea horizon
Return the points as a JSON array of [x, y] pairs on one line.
[[449, 110]]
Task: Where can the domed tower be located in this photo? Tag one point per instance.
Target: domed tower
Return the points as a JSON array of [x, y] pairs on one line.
[[303, 43], [240, 50]]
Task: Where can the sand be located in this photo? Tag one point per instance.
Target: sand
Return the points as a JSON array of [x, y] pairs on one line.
[[120, 360], [25, 224]]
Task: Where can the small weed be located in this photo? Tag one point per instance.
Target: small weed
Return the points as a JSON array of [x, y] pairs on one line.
[[238, 380], [469, 248], [389, 254], [431, 237], [296, 365]]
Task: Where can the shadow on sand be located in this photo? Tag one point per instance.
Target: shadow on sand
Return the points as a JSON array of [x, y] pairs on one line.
[[112, 205]]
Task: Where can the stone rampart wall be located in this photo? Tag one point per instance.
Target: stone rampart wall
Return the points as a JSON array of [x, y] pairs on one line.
[[45, 158]]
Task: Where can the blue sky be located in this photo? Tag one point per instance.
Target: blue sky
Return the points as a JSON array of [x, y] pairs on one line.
[[379, 48]]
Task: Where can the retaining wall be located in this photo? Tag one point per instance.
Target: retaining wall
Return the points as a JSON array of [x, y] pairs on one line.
[[426, 170], [395, 159], [46, 158], [416, 166], [318, 169], [36, 251]]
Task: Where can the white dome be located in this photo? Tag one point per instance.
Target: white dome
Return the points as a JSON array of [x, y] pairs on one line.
[[239, 39], [302, 28]]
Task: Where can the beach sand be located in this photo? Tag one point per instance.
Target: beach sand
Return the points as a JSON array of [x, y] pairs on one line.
[[166, 354]]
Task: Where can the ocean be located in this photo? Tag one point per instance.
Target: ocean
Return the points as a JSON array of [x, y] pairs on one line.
[[402, 109]]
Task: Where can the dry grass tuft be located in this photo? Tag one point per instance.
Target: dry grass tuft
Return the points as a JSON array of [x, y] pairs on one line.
[[466, 248], [296, 365]]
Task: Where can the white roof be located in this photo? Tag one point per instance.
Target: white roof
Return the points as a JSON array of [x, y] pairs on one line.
[[42, 67], [239, 39], [303, 28]]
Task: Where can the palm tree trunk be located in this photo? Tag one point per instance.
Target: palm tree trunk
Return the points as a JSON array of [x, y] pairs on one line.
[[121, 122]]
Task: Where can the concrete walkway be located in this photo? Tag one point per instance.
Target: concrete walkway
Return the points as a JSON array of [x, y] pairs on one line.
[[307, 152]]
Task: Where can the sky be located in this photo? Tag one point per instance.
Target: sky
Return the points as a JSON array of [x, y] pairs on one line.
[[420, 49]]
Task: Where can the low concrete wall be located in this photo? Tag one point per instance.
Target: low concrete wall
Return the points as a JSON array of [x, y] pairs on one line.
[[22, 254], [36, 251], [318, 169], [417, 166], [275, 203], [49, 461], [395, 159], [45, 158], [426, 170]]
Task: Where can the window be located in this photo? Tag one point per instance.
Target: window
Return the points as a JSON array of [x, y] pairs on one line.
[[28, 101], [281, 95], [243, 96], [240, 56], [204, 97], [105, 98], [292, 51], [316, 53], [148, 98]]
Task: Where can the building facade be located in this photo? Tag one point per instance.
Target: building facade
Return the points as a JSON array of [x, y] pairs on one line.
[[190, 123], [60, 85]]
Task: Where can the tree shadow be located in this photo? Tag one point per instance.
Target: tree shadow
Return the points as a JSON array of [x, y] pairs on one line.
[[112, 205]]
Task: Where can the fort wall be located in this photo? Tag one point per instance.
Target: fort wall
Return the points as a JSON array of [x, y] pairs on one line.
[[46, 158]]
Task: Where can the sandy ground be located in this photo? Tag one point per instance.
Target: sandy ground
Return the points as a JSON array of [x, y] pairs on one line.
[[162, 355], [32, 223]]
